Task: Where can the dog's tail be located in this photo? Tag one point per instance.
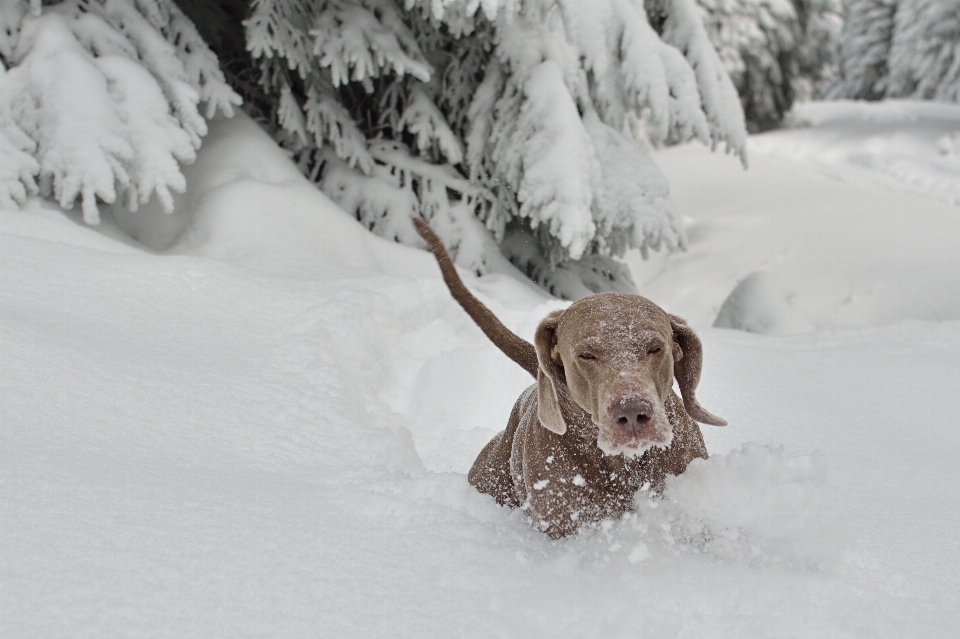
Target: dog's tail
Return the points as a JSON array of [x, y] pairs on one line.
[[514, 347]]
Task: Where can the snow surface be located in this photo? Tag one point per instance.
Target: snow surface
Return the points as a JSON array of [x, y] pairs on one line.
[[851, 213], [265, 428]]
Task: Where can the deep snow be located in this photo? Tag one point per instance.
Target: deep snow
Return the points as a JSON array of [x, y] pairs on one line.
[[265, 429], [849, 213]]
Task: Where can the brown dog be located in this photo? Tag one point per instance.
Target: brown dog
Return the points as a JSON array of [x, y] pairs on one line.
[[602, 420]]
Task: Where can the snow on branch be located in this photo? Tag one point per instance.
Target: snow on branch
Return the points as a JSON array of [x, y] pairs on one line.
[[632, 70], [358, 42], [561, 173], [200, 63], [433, 137], [776, 51], [277, 29], [18, 167], [495, 119], [330, 44], [329, 122], [402, 185], [684, 29], [533, 104], [636, 196], [549, 124], [102, 102]]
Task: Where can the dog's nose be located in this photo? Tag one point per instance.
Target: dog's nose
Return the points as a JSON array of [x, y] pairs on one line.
[[632, 413]]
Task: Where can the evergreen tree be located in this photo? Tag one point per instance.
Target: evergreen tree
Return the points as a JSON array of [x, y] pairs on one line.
[[820, 24], [514, 116], [774, 50], [515, 127], [756, 40], [867, 38], [925, 51], [901, 49]]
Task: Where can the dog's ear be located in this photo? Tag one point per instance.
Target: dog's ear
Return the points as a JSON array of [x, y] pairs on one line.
[[548, 375], [687, 362]]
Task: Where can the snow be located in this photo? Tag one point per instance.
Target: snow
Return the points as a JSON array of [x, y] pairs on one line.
[[906, 144], [264, 428], [761, 303], [850, 212]]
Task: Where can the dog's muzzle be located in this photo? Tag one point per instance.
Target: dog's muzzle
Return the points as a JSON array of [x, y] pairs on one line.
[[633, 425]]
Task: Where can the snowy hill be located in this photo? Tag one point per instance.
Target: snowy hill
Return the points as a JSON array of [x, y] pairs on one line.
[[264, 429]]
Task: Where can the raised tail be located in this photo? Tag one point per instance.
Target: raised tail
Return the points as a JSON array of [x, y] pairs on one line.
[[514, 347]]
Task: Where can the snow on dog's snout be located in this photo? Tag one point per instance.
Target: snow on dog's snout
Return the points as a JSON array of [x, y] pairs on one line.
[[633, 421]]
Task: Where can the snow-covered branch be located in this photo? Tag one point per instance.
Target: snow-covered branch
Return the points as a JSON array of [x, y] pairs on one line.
[[102, 102]]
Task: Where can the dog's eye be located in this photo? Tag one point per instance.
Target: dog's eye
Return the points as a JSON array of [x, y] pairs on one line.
[[587, 356], [654, 350]]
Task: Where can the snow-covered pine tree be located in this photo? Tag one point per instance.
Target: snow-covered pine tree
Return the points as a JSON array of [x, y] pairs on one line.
[[515, 115], [774, 50], [820, 24], [865, 51], [925, 52], [900, 48], [757, 41], [100, 100]]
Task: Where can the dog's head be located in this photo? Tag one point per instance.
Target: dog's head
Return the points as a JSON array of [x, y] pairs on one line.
[[618, 355]]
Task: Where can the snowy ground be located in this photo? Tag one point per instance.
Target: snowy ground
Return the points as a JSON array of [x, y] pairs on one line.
[[851, 214], [265, 429]]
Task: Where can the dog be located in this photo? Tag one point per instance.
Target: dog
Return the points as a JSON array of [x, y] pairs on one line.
[[602, 420]]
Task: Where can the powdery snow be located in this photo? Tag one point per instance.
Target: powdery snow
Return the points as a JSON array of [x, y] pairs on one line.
[[850, 213], [265, 430]]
